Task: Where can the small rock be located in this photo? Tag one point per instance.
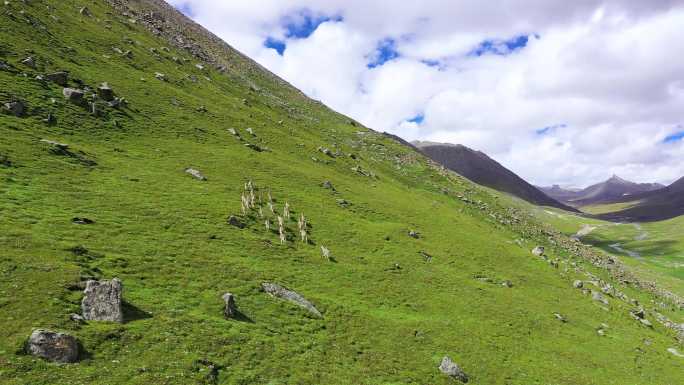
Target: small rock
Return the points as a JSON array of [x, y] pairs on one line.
[[105, 92], [598, 297], [560, 317], [234, 221], [73, 95], [278, 291], [233, 132], [230, 309], [82, 221], [507, 283], [59, 147], [29, 62], [326, 151], [102, 301], [160, 76], [53, 346], [251, 131], [77, 318], [413, 234], [328, 185], [195, 173], [451, 369], [84, 11], [199, 67], [538, 251], [638, 314], [646, 322], [578, 284], [675, 352], [254, 147], [16, 108], [60, 78]]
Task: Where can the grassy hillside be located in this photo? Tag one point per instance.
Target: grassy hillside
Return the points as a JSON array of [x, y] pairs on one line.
[[389, 313]]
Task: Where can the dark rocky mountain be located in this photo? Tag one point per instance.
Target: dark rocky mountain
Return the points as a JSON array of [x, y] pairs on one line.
[[612, 190], [559, 193], [481, 169], [656, 205]]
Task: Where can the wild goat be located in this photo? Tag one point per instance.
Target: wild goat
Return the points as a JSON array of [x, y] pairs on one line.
[[325, 252], [286, 210]]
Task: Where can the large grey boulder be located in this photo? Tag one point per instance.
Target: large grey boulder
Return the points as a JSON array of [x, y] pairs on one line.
[[278, 291], [102, 301], [53, 346], [451, 369]]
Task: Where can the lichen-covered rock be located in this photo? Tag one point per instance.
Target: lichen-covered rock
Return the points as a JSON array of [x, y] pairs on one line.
[[578, 284], [102, 301], [289, 295], [451, 369], [53, 346]]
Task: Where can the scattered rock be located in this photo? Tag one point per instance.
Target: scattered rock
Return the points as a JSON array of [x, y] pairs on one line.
[[451, 369], [578, 284], [160, 76], [73, 95], [60, 78], [195, 173], [413, 234], [16, 108], [254, 147], [230, 309], [560, 317], [84, 11], [102, 301], [251, 131], [675, 352], [59, 148], [82, 221], [235, 221], [29, 62], [278, 291], [105, 92], [77, 318], [343, 202], [53, 346], [233, 132], [507, 284], [598, 297], [538, 251], [328, 185], [326, 151], [646, 322]]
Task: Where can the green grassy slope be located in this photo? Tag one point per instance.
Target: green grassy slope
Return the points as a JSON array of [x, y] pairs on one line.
[[388, 314]]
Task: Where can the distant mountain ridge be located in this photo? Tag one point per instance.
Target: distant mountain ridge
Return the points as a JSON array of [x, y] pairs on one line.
[[481, 169], [655, 205], [612, 190]]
